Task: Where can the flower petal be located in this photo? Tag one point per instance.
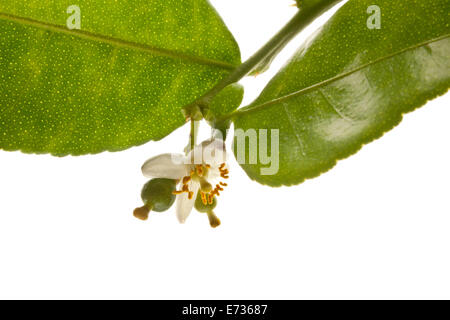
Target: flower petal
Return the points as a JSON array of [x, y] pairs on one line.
[[168, 165], [184, 204]]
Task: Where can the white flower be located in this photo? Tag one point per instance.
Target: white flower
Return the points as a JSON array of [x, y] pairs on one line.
[[200, 171]]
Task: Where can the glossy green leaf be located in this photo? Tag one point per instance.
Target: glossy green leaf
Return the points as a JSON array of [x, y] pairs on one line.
[[227, 101], [118, 82], [350, 84]]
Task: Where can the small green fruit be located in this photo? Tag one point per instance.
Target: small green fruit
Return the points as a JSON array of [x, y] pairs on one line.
[[158, 194], [208, 209], [204, 208]]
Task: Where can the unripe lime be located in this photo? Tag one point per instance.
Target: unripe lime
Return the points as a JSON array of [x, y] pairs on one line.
[[157, 194], [205, 208]]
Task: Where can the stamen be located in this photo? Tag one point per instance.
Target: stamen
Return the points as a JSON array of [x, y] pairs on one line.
[[218, 187], [223, 183], [199, 170], [210, 199], [177, 192], [204, 200], [186, 179], [222, 166], [190, 195], [224, 172], [215, 191]]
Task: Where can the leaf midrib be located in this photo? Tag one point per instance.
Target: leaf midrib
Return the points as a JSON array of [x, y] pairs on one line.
[[249, 109], [116, 42]]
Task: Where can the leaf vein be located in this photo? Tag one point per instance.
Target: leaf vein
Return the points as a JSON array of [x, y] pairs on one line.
[[115, 41], [335, 78]]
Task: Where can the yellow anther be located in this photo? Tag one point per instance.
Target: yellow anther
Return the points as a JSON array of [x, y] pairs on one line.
[[190, 195], [186, 179], [203, 195], [199, 170], [223, 183], [176, 192], [224, 175]]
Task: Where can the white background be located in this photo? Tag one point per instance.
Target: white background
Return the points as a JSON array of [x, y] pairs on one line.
[[376, 226]]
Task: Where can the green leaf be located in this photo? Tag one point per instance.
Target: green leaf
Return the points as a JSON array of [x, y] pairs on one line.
[[350, 84], [118, 82], [227, 101]]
